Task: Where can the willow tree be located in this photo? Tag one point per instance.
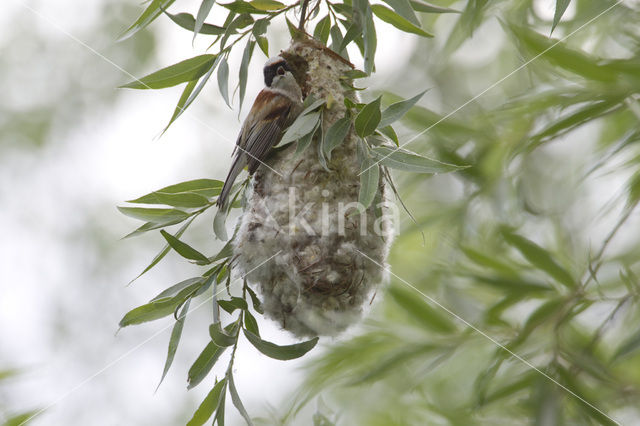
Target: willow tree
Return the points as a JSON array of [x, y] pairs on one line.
[[503, 306]]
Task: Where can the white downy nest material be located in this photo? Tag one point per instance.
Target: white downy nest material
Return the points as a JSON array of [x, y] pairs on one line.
[[308, 258]]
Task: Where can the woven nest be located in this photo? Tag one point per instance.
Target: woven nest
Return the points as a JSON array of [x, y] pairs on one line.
[[301, 240]]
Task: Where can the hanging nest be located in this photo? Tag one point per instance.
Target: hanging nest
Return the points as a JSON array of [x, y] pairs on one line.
[[314, 258]]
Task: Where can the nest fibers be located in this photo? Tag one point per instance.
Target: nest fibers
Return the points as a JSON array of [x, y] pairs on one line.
[[315, 260]]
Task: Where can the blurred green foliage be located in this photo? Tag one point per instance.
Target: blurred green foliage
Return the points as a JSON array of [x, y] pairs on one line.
[[48, 82], [534, 247]]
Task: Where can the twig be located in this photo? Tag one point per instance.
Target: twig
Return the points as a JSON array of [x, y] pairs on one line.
[[599, 331], [612, 234], [303, 12]]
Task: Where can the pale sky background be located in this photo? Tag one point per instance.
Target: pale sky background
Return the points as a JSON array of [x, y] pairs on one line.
[[63, 269]]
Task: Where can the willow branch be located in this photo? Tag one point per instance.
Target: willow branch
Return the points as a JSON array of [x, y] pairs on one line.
[[303, 12]]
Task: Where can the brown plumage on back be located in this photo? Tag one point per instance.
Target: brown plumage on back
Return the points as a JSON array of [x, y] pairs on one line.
[[274, 109]]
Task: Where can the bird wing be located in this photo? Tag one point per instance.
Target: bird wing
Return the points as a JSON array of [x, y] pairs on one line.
[[268, 118], [265, 131]]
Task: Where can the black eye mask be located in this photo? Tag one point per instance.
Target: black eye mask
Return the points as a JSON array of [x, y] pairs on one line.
[[272, 70]]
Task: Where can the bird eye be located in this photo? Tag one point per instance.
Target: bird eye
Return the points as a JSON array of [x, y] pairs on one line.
[[280, 71]]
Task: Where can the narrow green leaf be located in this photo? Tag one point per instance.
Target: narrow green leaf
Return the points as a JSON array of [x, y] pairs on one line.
[[263, 44], [353, 105], [153, 215], [311, 104], [152, 311], [303, 125], [336, 135], [174, 340], [187, 70], [541, 314], [323, 27], [390, 133], [221, 338], [321, 419], [336, 41], [405, 160], [240, 6], [320, 143], [629, 346], [203, 12], [306, 140], [494, 312], [368, 118], [583, 393], [177, 288], [260, 26], [210, 279], [184, 249], [391, 17], [353, 32], [344, 9], [539, 257], [148, 15], [387, 365], [471, 18], [490, 261], [250, 323], [369, 37], [219, 225], [224, 253], [369, 181], [188, 89], [583, 115], [355, 74], [193, 94], [511, 285], [633, 187], [237, 402], [244, 69], [223, 80], [242, 21], [293, 30], [282, 353], [231, 305], [209, 405], [414, 305], [561, 7], [423, 6], [164, 250], [182, 199], [149, 226], [396, 111], [267, 5], [188, 22], [404, 9], [255, 301], [203, 364], [21, 418], [557, 53], [220, 410], [204, 187], [223, 273], [525, 381]]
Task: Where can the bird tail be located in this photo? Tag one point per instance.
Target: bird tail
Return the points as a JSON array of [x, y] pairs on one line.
[[236, 168]]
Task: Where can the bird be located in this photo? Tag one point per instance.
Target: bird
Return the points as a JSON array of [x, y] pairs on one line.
[[275, 108]]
